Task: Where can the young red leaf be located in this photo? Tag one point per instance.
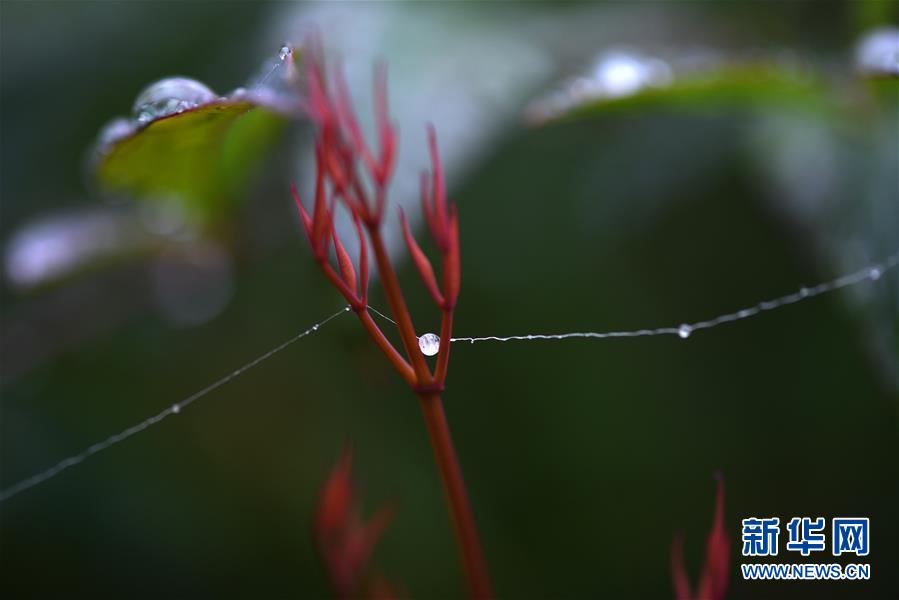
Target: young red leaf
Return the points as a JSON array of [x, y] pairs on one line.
[[347, 271], [438, 195], [421, 261], [363, 260], [336, 497], [678, 571], [713, 581], [306, 219], [345, 541], [452, 263], [386, 131]]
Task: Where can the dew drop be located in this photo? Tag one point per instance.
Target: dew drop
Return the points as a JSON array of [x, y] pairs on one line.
[[170, 96], [429, 344], [616, 73], [622, 73], [114, 131], [684, 331], [874, 273], [238, 93], [284, 52], [176, 408], [803, 292], [877, 53]]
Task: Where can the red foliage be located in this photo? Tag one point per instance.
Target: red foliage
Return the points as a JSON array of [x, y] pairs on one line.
[[351, 174], [342, 155], [345, 541], [713, 580]]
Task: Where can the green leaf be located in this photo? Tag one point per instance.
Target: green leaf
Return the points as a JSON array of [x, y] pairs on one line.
[[730, 87], [200, 157]]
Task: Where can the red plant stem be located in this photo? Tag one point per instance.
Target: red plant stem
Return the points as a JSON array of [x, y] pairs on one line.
[[400, 363], [446, 332], [472, 554], [397, 304], [473, 560]]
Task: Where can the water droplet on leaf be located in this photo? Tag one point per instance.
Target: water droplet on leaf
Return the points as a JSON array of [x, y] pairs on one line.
[[621, 73], [114, 131], [170, 96], [877, 52], [429, 344], [237, 93], [614, 74]]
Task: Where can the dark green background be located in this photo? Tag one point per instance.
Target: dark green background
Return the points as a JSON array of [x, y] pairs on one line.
[[583, 458]]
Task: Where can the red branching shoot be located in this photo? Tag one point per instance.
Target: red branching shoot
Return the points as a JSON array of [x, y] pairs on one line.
[[345, 541], [352, 175], [713, 580]]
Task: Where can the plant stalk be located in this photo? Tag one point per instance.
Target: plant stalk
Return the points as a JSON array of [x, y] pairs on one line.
[[472, 554], [397, 304]]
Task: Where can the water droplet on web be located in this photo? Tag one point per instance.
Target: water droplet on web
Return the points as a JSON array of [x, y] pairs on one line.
[[803, 292], [684, 331], [429, 344], [874, 273], [176, 408], [276, 85], [170, 96]]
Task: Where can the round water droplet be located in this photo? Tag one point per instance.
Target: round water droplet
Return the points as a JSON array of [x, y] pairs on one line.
[[803, 292], [284, 52], [169, 96], [429, 344], [237, 93], [684, 331], [621, 73], [176, 408], [114, 131], [877, 53], [874, 273]]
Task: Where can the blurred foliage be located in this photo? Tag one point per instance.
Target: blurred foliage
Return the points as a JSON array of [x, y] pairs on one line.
[[583, 458], [729, 87]]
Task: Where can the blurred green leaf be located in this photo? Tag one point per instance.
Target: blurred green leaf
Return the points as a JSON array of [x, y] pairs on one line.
[[201, 157], [873, 13], [725, 87]]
